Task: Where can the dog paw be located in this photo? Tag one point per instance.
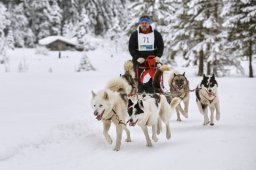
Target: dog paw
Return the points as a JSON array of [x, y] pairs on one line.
[[128, 140], [212, 124], [178, 119], [168, 136], [109, 140], [186, 115], [117, 148], [218, 117], [149, 144], [155, 139], [206, 123]]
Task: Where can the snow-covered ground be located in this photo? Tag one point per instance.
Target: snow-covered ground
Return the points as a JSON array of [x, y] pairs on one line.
[[46, 122]]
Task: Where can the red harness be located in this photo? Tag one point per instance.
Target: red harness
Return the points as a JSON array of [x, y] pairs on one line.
[[150, 68]]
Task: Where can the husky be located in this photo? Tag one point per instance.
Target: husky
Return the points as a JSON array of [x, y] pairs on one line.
[[179, 87], [207, 96], [129, 76], [149, 111], [110, 106]]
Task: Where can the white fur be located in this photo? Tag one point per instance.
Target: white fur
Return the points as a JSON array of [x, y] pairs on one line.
[[210, 101], [113, 108], [153, 115], [119, 84]]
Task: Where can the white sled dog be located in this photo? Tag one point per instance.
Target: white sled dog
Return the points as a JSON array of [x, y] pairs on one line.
[[110, 106], [207, 96], [148, 111]]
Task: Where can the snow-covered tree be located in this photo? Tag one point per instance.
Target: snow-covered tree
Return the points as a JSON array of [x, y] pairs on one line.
[[83, 27], [196, 31], [70, 12], [85, 65], [55, 16], [240, 24], [37, 12], [5, 40], [19, 25]]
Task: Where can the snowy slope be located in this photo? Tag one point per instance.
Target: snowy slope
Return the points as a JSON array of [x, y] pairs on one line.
[[46, 122]]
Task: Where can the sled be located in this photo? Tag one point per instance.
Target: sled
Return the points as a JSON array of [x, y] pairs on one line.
[[148, 68]]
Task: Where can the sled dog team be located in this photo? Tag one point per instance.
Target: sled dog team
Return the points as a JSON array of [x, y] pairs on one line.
[[114, 105]]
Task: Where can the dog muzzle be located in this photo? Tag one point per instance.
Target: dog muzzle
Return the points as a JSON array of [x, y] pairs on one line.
[[99, 116], [131, 123]]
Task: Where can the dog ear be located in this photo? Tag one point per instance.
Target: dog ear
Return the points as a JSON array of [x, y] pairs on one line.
[[213, 76], [204, 76], [174, 74], [183, 74], [105, 96], [130, 103], [141, 104], [93, 94]]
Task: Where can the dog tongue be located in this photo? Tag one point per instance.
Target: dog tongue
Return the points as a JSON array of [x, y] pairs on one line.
[[98, 117], [210, 94], [131, 124]]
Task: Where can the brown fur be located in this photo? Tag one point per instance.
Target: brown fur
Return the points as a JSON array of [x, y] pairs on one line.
[[179, 87]]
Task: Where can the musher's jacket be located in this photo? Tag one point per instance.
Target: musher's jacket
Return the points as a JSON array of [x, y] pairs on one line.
[[158, 45]]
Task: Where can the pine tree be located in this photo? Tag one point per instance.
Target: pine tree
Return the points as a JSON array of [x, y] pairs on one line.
[[240, 24], [37, 12], [55, 16], [19, 24], [4, 42], [197, 30], [85, 65]]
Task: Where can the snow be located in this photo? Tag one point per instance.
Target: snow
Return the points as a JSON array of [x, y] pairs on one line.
[[46, 122], [50, 39]]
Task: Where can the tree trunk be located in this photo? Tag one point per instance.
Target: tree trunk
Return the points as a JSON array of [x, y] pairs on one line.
[[209, 68], [201, 63], [250, 59]]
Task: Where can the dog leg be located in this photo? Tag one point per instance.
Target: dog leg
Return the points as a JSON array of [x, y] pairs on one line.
[[159, 126], [212, 116], [168, 131], [119, 131], [106, 126], [202, 111], [178, 114], [206, 118], [145, 131], [154, 129], [128, 137], [186, 104], [217, 106]]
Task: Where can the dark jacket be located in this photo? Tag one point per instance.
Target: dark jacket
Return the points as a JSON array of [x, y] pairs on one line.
[[133, 46]]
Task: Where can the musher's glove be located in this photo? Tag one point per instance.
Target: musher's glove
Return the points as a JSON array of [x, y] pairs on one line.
[[141, 60], [157, 59]]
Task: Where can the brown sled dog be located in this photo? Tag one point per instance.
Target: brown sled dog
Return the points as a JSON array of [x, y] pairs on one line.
[[179, 87]]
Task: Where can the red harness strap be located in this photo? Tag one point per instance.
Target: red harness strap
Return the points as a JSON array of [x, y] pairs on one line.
[[150, 68]]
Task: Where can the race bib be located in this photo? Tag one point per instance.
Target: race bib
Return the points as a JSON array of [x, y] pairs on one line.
[[146, 41]]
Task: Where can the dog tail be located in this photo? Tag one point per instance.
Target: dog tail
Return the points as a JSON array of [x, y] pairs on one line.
[[128, 65], [158, 76], [118, 85]]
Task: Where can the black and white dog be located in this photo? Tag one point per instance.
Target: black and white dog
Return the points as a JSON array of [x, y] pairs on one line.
[[207, 96], [151, 110]]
